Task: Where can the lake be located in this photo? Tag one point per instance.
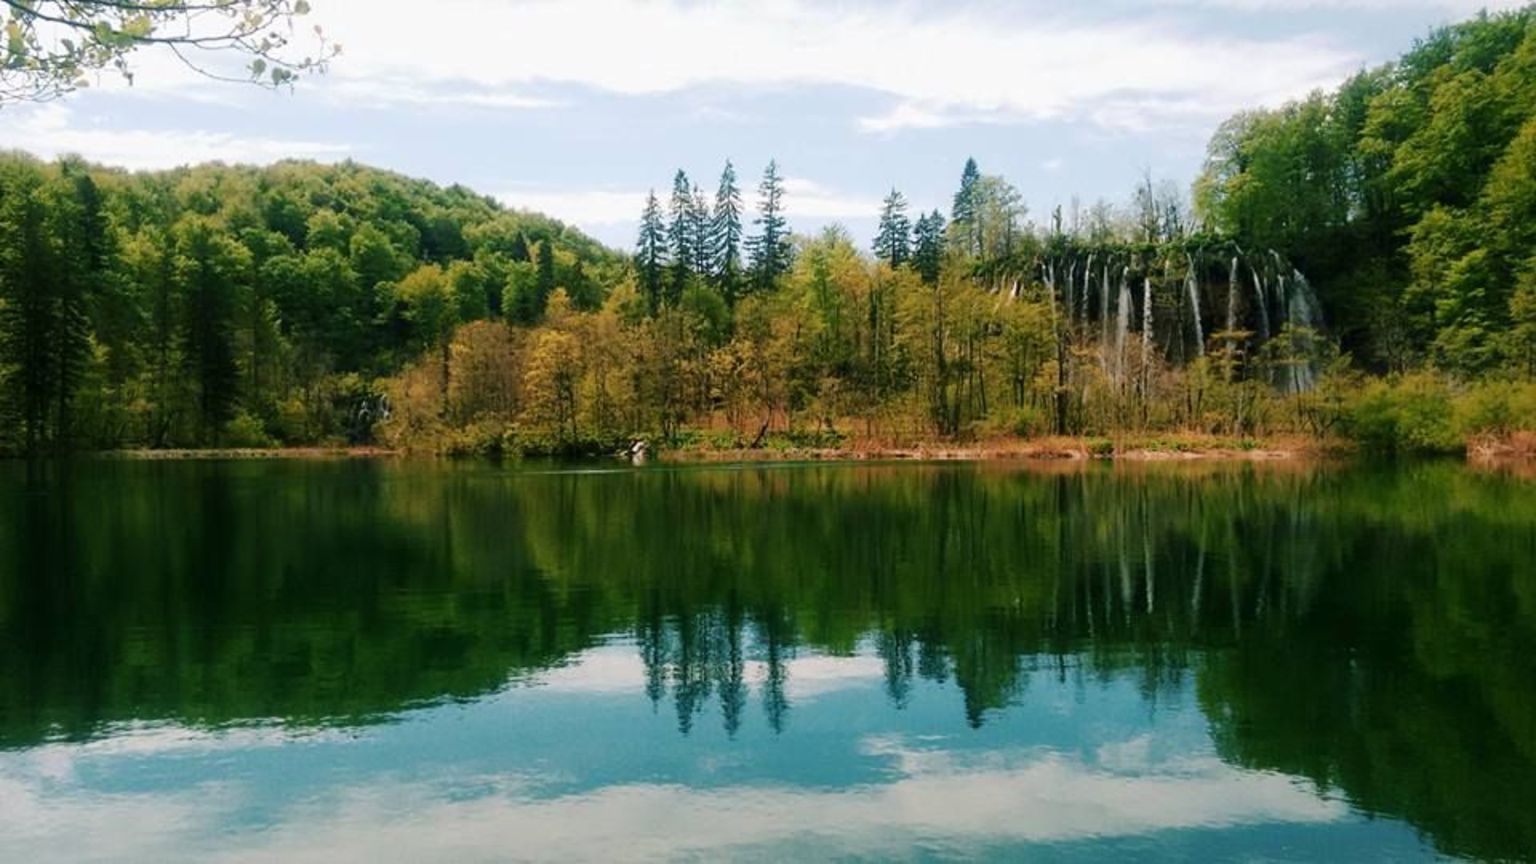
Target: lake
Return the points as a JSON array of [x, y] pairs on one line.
[[403, 661]]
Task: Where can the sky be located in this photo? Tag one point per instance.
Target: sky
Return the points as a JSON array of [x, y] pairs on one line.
[[577, 107]]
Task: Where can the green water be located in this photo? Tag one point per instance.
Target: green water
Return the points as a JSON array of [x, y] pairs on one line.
[[399, 661]]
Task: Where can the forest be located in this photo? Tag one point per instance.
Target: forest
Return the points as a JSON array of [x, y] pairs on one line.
[[1359, 265]]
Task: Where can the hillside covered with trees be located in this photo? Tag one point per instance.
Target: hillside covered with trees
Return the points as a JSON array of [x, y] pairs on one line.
[[239, 305], [1361, 263]]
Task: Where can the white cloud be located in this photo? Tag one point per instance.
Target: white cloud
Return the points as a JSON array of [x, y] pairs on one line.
[[807, 199], [599, 211], [933, 797], [940, 66], [929, 795], [584, 209], [618, 669], [53, 130]]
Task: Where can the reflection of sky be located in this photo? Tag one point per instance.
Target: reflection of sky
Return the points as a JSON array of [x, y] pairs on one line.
[[578, 764]]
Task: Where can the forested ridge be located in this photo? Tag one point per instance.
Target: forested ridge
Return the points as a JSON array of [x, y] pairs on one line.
[[221, 304], [1361, 263]]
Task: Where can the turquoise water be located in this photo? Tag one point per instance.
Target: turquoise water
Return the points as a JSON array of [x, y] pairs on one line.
[[410, 661]]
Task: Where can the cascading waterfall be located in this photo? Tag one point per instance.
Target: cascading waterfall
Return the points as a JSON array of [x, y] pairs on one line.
[[1282, 301], [1303, 317], [1232, 297], [1192, 287], [1146, 314], [1071, 289], [1262, 302], [1082, 297], [1122, 320], [1104, 307]]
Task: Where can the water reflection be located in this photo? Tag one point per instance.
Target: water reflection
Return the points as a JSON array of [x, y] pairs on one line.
[[327, 659]]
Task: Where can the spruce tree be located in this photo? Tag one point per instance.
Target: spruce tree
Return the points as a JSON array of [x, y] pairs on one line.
[[651, 253], [699, 222], [81, 228], [893, 239], [769, 249], [28, 312], [546, 274], [680, 236], [725, 236], [965, 217], [928, 247]]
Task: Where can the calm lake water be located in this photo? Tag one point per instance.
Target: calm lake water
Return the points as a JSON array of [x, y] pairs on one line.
[[382, 661]]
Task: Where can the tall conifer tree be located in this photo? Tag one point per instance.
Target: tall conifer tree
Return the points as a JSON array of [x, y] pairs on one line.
[[893, 239], [725, 236], [651, 253], [928, 247], [965, 216], [769, 249], [681, 235]]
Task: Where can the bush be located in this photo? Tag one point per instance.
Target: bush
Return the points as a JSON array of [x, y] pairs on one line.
[[1497, 408], [1409, 415], [247, 431]]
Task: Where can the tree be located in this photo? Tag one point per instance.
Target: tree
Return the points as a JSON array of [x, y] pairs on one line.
[[651, 253], [431, 308], [85, 239], [699, 224], [681, 235], [928, 247], [999, 207], [725, 237], [893, 238], [29, 321], [211, 271], [965, 215], [54, 46], [769, 250], [546, 275]]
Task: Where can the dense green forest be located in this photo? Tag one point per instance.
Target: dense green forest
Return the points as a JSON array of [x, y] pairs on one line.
[[1359, 264]]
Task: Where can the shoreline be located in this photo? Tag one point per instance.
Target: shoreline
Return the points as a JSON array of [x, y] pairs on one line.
[[1039, 450], [245, 453], [1043, 450]]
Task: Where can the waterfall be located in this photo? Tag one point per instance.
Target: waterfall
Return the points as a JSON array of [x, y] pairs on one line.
[[1263, 303], [1232, 297], [1146, 314], [1082, 298], [1192, 286], [1103, 317], [1104, 306], [1303, 314], [1122, 320], [1071, 295], [1303, 306]]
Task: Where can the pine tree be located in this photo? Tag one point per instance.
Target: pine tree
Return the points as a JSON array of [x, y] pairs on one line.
[[965, 217], [928, 247], [546, 278], [770, 250], [519, 250], [699, 222], [211, 269], [651, 253], [83, 232], [893, 239], [28, 319], [680, 236], [725, 236]]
